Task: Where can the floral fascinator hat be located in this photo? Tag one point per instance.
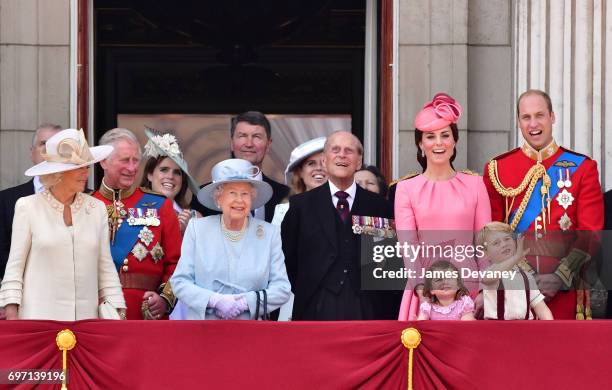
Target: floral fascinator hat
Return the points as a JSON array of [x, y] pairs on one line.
[[166, 145], [68, 150], [438, 114]]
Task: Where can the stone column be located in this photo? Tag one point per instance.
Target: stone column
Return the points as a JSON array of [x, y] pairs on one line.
[[433, 48], [34, 77], [490, 74], [563, 47]]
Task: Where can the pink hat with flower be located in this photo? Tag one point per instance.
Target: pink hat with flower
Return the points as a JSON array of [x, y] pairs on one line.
[[438, 114]]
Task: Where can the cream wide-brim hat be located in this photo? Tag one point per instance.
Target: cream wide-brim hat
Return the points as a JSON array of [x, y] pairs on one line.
[[68, 150], [235, 170], [302, 152]]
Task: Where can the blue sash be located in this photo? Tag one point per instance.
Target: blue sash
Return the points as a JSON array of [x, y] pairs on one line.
[[534, 206], [127, 235]]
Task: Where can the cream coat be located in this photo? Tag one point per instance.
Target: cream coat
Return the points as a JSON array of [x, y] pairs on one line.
[[53, 273]]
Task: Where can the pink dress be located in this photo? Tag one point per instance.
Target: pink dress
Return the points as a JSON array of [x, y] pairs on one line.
[[460, 206], [454, 311]]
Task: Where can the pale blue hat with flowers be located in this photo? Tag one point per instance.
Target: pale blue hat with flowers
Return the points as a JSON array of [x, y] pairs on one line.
[[231, 171], [167, 145]]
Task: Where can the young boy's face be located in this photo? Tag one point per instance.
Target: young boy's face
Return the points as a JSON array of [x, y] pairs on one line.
[[500, 246]]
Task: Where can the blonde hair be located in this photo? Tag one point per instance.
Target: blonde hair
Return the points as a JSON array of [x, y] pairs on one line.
[[51, 179], [494, 226]]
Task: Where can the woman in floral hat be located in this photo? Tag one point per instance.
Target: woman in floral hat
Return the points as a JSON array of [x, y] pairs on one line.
[[166, 172], [441, 205]]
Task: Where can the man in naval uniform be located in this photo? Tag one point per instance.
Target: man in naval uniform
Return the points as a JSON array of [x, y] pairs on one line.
[[144, 230], [554, 194]]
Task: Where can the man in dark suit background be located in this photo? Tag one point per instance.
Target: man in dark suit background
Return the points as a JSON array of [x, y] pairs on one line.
[[9, 196], [322, 254], [250, 139]]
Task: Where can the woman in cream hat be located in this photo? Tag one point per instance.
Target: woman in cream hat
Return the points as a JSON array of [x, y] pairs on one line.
[[441, 204], [232, 265], [60, 266], [306, 170]]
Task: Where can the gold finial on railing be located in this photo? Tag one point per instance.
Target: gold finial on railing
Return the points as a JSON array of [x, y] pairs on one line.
[[411, 338], [65, 340]]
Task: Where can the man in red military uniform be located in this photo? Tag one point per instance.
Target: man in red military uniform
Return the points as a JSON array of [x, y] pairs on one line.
[[144, 229], [554, 194]]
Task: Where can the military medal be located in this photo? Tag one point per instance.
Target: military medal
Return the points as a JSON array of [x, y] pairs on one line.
[[568, 182], [157, 253], [373, 226], [146, 236], [565, 199], [139, 251], [565, 222], [152, 219], [560, 182]]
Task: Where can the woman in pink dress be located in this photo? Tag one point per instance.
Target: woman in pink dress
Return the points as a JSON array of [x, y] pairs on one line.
[[440, 206]]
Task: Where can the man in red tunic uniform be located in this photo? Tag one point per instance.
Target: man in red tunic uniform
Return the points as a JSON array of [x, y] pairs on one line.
[[554, 194], [145, 235]]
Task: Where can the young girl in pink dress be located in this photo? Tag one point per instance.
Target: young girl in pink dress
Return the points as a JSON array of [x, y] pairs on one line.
[[440, 205], [449, 298]]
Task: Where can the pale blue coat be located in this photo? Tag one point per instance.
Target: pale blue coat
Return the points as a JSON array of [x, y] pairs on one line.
[[204, 267]]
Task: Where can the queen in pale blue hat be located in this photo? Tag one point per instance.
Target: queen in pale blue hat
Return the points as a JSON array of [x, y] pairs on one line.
[[230, 262], [235, 170]]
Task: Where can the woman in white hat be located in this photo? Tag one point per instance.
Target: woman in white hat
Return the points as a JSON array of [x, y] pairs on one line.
[[166, 172], [60, 266], [232, 265], [307, 172]]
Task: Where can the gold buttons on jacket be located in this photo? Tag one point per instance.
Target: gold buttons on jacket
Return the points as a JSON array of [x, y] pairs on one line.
[[124, 268], [125, 261]]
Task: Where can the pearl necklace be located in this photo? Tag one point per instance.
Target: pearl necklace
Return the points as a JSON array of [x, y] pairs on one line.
[[234, 235]]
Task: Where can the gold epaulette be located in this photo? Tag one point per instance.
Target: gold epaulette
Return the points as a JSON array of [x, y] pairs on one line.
[[405, 177], [150, 191], [469, 172]]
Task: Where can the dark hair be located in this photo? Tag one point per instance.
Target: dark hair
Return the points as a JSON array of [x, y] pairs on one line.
[[255, 118], [380, 179], [418, 137], [150, 166], [537, 92], [443, 265]]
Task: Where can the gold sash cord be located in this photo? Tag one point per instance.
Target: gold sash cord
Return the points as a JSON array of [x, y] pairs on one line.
[[529, 182], [411, 338]]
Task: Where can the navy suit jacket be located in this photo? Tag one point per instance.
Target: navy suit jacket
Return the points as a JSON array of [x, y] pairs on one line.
[[8, 198], [279, 192]]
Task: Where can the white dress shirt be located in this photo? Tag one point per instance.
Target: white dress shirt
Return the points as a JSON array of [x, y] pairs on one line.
[[38, 187], [351, 191]]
